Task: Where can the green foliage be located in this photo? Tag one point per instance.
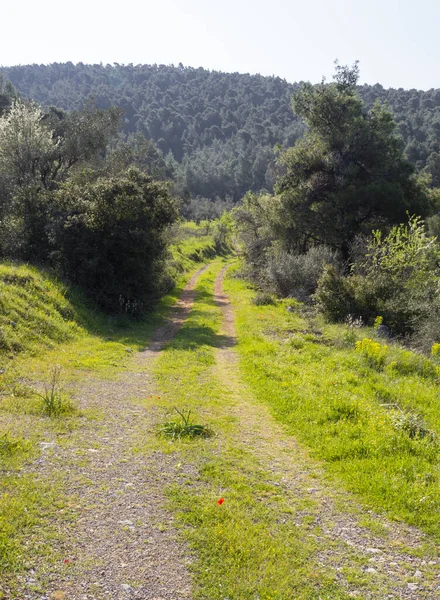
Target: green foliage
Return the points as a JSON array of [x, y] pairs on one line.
[[7, 95], [219, 128], [335, 295], [222, 233], [348, 170], [342, 410], [9, 446], [374, 352], [410, 363], [184, 428], [378, 321], [216, 131], [109, 238], [37, 151], [297, 275], [412, 425], [397, 278], [435, 349], [263, 299]]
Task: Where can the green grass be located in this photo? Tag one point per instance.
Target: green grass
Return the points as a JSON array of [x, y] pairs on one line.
[[193, 245], [46, 327], [342, 404], [24, 504], [250, 546]]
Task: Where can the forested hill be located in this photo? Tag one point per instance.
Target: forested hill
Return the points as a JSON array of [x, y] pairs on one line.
[[217, 130]]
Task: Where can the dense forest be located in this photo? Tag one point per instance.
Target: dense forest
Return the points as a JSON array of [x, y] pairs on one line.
[[219, 132]]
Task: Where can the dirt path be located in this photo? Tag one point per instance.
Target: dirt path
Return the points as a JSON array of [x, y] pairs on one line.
[[378, 558], [121, 545]]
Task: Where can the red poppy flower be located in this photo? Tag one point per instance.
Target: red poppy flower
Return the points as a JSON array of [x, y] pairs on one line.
[[220, 501], [66, 560]]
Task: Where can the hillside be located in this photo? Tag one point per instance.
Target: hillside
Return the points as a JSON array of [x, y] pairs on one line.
[[217, 130]]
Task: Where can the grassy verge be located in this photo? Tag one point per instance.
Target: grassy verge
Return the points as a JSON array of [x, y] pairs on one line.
[[374, 423], [248, 546]]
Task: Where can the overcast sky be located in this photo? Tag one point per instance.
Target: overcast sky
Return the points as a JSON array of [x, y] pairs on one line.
[[396, 41]]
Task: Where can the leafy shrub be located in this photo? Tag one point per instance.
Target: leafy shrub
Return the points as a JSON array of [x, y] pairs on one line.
[[298, 274], [349, 337], [435, 349], [411, 424], [374, 352], [263, 299], [397, 278], [222, 233], [109, 238], [335, 296]]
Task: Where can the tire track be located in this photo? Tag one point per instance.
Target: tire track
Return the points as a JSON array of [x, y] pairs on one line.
[[123, 544], [346, 545]]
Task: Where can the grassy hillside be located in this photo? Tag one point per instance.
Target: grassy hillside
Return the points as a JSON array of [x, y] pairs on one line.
[[366, 407]]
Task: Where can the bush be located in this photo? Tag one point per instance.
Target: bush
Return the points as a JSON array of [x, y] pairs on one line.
[[222, 233], [412, 425], [297, 275], [435, 349], [398, 279], [109, 238], [263, 299], [335, 295]]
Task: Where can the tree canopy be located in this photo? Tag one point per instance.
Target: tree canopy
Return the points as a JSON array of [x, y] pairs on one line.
[[217, 131], [347, 175]]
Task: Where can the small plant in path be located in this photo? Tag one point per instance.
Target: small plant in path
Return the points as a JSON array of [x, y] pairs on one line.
[[54, 402], [184, 428]]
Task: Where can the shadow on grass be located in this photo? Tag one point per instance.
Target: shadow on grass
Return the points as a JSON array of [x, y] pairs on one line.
[[121, 328], [192, 337]]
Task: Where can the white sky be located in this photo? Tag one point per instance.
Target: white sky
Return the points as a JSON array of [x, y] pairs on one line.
[[396, 41]]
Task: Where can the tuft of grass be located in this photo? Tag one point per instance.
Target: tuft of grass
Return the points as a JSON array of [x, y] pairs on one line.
[[184, 428], [54, 401], [412, 424]]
